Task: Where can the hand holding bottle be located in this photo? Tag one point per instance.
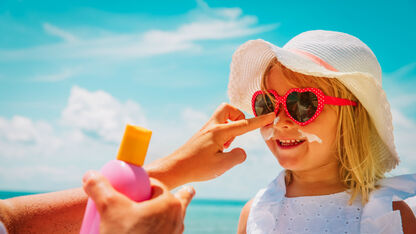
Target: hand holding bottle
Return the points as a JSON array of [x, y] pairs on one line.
[[163, 213]]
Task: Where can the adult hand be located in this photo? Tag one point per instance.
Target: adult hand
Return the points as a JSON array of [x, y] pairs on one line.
[[203, 157], [163, 213]]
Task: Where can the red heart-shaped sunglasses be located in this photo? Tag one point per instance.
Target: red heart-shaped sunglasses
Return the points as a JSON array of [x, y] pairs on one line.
[[301, 105]]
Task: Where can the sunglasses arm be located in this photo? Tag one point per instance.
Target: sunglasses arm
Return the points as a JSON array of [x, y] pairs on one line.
[[339, 101]]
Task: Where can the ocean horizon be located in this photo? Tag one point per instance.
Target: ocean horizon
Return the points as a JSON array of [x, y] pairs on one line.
[[203, 215]]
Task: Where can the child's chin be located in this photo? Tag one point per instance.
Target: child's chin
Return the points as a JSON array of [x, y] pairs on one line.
[[290, 162]]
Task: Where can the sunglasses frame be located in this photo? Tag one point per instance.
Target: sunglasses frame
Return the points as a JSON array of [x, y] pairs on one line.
[[322, 100]]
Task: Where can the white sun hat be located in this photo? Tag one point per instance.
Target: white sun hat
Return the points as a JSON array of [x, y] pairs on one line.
[[323, 54]]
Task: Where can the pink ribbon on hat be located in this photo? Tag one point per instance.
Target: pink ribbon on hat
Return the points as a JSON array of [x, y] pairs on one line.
[[315, 59]]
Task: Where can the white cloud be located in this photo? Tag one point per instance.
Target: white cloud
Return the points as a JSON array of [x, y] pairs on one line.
[[210, 27], [404, 71], [194, 119], [39, 156], [399, 86], [18, 129], [55, 31], [400, 120], [204, 23], [20, 135], [101, 114], [60, 76], [30, 177], [404, 135]]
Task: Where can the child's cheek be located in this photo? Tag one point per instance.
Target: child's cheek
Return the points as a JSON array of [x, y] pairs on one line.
[[267, 132], [310, 137]]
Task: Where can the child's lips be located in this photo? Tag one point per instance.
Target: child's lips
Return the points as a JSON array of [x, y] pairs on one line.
[[290, 145]]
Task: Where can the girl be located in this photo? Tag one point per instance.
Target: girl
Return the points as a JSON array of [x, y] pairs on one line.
[[332, 134]]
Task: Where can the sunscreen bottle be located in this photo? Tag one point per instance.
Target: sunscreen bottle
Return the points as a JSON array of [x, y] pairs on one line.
[[125, 174]]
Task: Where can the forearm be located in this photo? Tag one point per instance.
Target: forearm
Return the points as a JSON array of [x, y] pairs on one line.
[[168, 171], [56, 212]]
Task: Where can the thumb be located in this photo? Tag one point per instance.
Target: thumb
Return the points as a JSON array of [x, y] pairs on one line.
[[232, 158], [99, 189], [185, 195]]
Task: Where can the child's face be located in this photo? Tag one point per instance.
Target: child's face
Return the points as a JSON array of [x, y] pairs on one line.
[[318, 151]]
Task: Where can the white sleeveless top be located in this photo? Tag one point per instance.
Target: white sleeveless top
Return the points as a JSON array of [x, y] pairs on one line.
[[272, 212]]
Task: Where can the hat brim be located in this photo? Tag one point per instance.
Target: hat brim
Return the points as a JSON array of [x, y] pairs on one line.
[[252, 58]]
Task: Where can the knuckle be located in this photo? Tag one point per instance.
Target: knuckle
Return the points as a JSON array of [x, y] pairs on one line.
[[111, 200], [172, 204], [224, 105], [106, 202], [244, 123], [218, 136], [103, 205], [214, 130], [92, 183], [176, 205]]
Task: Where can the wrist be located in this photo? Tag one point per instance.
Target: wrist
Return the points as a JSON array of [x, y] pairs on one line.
[[166, 171]]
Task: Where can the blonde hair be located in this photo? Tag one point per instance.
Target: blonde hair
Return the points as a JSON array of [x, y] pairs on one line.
[[359, 165]]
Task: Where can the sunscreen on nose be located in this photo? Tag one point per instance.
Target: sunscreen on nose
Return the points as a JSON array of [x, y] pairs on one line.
[[125, 174]]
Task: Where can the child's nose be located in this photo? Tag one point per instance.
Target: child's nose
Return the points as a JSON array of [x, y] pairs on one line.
[[282, 120]]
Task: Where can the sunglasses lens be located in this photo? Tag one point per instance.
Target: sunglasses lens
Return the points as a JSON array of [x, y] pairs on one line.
[[263, 104], [302, 106]]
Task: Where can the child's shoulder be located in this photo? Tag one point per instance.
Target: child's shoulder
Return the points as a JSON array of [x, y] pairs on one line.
[[390, 204], [242, 223], [396, 188]]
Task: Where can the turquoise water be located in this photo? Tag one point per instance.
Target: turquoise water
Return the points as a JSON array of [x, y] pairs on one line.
[[202, 216]]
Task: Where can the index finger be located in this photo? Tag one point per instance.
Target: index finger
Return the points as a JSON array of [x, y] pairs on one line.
[[240, 127], [227, 112]]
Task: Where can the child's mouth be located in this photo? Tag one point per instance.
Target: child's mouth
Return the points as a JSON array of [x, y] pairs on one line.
[[288, 144]]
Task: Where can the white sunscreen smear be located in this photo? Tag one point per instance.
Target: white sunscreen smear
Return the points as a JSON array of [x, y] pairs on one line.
[[310, 137], [269, 131], [276, 120]]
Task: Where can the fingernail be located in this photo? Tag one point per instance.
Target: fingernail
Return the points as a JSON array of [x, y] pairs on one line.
[[243, 152], [88, 175]]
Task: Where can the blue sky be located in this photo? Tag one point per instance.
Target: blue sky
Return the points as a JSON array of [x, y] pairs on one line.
[[73, 73]]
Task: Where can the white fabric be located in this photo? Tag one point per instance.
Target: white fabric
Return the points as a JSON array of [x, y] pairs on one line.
[[375, 217], [356, 65], [318, 214], [2, 228]]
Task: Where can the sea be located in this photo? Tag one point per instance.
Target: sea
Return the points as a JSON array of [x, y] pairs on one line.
[[202, 216]]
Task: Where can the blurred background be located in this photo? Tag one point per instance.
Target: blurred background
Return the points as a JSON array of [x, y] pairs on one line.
[[73, 73]]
